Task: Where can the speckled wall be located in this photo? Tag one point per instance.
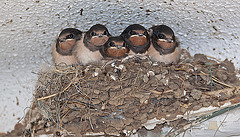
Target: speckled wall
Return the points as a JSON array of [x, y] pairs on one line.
[[29, 28]]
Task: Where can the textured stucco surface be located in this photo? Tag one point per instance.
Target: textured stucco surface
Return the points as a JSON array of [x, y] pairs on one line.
[[29, 28]]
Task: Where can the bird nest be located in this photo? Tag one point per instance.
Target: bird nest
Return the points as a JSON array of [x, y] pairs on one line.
[[119, 97]]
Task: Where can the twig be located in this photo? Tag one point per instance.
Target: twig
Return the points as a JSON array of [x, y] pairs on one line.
[[169, 132], [91, 123], [167, 91], [58, 115], [221, 124], [184, 133], [159, 93], [64, 117], [213, 58], [79, 91], [135, 81], [183, 84], [211, 75], [228, 91], [216, 80], [24, 114]]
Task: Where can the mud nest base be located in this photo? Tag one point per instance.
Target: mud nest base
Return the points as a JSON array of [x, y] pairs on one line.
[[120, 96]]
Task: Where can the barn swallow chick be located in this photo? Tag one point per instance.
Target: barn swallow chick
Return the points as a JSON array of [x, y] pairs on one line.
[[164, 47], [137, 39], [115, 47], [65, 45], [94, 39]]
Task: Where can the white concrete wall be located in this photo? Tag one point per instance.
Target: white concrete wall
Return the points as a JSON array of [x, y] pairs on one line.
[[28, 28]]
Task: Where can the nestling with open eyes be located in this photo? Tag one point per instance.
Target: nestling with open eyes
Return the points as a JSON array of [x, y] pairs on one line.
[[115, 47], [63, 49], [137, 39], [164, 46], [94, 39]]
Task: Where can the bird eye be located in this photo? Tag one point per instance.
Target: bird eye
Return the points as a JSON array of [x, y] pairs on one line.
[[70, 36], [161, 36], [105, 33], [124, 45], [111, 44], [93, 34], [132, 33]]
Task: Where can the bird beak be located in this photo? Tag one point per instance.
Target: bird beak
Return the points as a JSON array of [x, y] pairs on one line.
[[62, 40], [119, 46], [163, 40], [169, 40], [99, 35], [166, 40], [138, 35]]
